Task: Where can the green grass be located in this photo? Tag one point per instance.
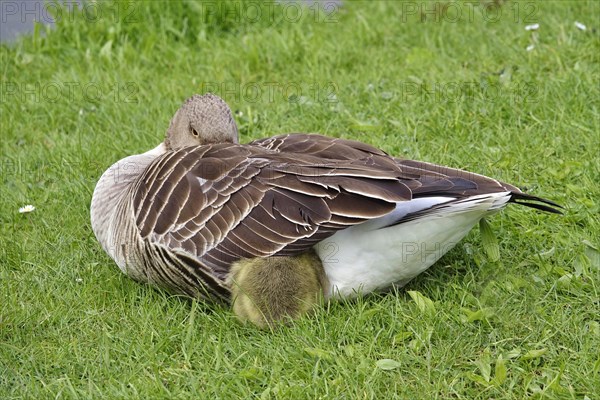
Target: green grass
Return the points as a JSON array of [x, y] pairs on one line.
[[466, 94]]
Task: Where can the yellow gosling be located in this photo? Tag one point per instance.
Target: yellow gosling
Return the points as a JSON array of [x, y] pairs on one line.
[[271, 290]]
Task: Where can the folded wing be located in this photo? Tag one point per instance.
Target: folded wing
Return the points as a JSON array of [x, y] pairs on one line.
[[282, 195]]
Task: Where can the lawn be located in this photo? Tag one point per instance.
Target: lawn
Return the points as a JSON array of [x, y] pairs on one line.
[[461, 84]]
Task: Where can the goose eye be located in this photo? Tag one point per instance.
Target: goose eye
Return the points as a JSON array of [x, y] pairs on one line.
[[193, 131]]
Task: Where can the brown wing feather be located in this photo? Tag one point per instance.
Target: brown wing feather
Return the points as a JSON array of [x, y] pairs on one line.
[[281, 195], [223, 202], [422, 178], [456, 182]]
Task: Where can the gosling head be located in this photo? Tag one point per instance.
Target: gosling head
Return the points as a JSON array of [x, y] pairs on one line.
[[267, 291], [201, 120]]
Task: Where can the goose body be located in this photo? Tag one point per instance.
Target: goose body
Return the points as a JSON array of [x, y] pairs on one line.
[[180, 217]]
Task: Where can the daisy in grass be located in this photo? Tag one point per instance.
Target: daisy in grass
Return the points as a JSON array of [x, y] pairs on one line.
[[26, 209]]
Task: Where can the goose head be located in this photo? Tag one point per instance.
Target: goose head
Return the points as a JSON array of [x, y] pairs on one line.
[[271, 290], [201, 120]]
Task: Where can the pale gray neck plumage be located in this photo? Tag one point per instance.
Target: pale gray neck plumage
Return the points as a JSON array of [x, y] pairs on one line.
[[111, 188]]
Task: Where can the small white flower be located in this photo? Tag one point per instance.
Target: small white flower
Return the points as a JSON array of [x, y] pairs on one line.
[[532, 27], [27, 209], [78, 280], [580, 26], [530, 47]]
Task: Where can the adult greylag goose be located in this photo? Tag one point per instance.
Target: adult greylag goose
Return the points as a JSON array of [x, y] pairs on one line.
[[196, 214]]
